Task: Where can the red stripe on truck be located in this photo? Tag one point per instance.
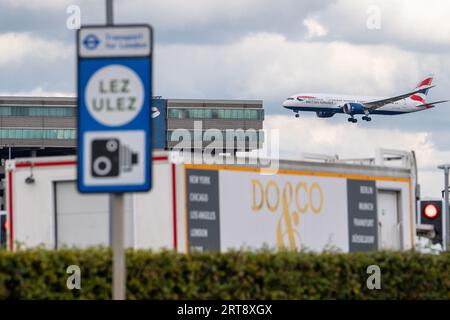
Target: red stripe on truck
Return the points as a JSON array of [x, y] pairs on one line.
[[10, 213], [66, 163], [174, 204]]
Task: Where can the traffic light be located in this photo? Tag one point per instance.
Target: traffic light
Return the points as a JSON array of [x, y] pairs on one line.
[[432, 213], [3, 228]]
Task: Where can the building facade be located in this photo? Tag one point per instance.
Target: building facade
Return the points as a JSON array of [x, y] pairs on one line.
[[42, 126], [37, 126], [238, 122]]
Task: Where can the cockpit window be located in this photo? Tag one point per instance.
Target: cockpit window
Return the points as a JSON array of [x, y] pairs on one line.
[[290, 98]]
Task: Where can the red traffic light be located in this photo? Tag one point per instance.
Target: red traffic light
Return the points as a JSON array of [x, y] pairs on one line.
[[430, 211]]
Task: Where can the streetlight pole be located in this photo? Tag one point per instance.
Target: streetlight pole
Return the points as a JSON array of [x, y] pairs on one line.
[[446, 168]]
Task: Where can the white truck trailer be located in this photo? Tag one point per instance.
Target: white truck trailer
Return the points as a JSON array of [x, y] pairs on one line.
[[348, 206]]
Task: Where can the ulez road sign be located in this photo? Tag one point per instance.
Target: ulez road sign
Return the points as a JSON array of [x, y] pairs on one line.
[[114, 103]]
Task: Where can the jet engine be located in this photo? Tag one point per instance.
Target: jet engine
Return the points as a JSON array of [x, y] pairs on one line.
[[353, 108], [324, 114]]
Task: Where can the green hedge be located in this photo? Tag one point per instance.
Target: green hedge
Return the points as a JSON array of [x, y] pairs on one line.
[[41, 274]]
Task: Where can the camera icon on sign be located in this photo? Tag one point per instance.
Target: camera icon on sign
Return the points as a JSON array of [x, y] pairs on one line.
[[110, 158]]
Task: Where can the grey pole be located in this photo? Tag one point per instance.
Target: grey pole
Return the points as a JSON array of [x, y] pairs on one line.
[[110, 22], [119, 269], [109, 12], [446, 205], [116, 207]]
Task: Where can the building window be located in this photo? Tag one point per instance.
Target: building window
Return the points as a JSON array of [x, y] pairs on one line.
[[233, 135], [38, 111], [51, 134], [216, 113]]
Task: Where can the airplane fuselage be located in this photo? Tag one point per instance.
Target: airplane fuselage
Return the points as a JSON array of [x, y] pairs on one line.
[[328, 104]]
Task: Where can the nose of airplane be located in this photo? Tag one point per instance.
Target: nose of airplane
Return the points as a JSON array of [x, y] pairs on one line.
[[287, 103]]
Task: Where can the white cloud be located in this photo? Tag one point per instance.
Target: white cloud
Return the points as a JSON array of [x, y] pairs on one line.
[[268, 66], [17, 48], [39, 5], [405, 23], [255, 14], [314, 29], [38, 92], [310, 135]]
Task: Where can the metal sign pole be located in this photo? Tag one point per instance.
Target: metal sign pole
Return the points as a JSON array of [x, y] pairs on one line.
[[114, 154], [119, 270], [116, 219], [109, 12]]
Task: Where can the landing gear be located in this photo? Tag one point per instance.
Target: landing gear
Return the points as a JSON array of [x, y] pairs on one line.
[[352, 120], [367, 118], [297, 115]]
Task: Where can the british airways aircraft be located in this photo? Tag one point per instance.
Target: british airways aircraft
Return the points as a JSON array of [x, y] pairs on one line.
[[327, 105]]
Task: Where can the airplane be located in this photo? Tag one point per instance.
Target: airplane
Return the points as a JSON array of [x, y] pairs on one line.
[[327, 105]]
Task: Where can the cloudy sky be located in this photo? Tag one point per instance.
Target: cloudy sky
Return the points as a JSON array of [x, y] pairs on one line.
[[261, 49]]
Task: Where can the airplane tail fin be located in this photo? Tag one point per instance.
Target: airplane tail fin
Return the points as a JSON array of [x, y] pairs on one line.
[[421, 95]]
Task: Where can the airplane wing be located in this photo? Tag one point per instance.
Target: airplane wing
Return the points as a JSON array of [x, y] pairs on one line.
[[431, 104], [372, 105]]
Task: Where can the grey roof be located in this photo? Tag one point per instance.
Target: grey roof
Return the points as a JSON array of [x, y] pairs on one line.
[[38, 101], [72, 101]]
